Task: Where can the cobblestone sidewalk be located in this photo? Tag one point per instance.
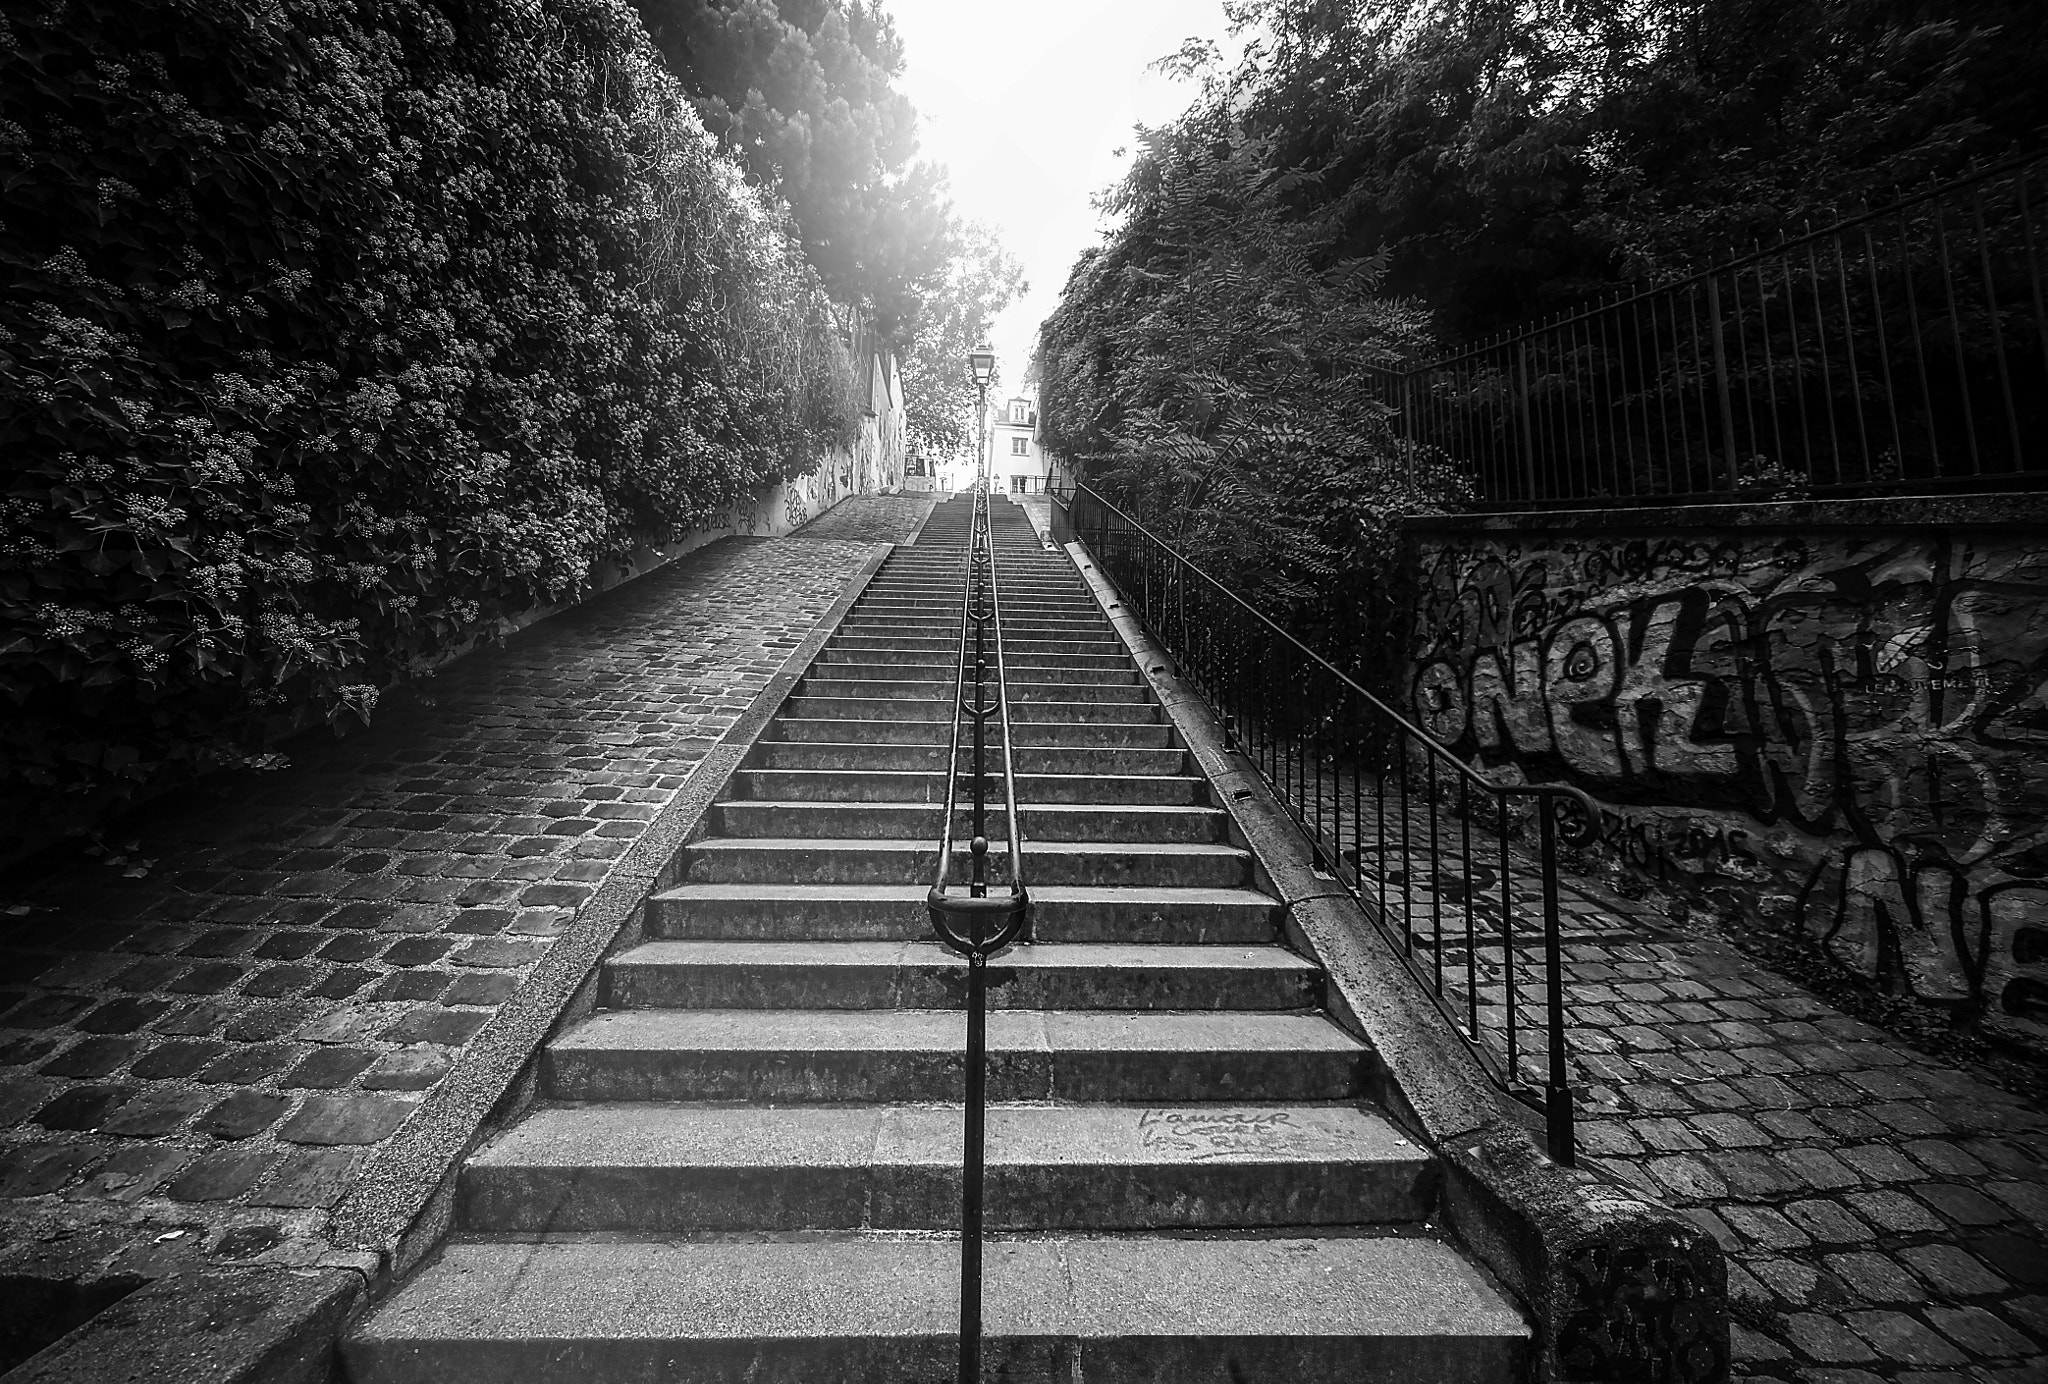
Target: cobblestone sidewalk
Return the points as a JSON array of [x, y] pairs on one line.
[[1885, 1215], [871, 519], [200, 1045]]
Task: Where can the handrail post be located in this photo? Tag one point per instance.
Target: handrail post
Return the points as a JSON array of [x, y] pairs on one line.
[[1557, 1096], [978, 927], [972, 1173]]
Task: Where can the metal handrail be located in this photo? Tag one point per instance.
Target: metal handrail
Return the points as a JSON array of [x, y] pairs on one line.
[[975, 925], [985, 624], [1159, 583]]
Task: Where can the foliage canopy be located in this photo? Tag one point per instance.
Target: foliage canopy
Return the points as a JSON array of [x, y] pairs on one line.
[[333, 331]]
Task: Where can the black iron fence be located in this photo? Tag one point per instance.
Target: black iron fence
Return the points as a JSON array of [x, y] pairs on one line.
[[1901, 350], [1459, 871]]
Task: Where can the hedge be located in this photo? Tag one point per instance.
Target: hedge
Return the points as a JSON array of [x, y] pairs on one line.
[[333, 332]]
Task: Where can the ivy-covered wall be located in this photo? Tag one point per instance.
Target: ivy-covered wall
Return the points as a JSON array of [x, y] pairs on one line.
[[335, 334]]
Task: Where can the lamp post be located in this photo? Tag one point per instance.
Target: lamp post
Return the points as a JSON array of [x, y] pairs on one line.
[[981, 364]]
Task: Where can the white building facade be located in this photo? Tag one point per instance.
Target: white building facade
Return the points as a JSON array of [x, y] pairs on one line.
[[1016, 462]]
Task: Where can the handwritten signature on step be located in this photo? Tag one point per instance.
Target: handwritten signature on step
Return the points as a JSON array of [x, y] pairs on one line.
[[1211, 1133]]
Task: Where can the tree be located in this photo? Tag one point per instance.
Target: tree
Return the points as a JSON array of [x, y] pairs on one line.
[[1515, 157], [1210, 367], [981, 280], [802, 91]]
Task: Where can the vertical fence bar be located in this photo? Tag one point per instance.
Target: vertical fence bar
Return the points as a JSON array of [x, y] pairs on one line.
[[1955, 326], [2012, 418], [1720, 329], [1557, 1098]]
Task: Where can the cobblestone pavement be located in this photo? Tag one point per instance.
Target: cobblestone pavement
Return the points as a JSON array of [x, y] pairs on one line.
[[200, 1044], [1885, 1215], [871, 519]]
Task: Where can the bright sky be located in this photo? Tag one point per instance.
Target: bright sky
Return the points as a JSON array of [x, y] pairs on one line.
[[1026, 104]]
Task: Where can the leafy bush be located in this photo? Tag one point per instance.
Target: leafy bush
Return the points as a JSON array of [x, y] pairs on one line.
[[1208, 368], [334, 331]]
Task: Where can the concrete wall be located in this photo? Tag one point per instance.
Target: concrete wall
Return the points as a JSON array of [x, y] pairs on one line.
[[1836, 711]]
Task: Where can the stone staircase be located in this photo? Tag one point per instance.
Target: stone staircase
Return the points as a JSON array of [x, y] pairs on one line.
[[745, 1164]]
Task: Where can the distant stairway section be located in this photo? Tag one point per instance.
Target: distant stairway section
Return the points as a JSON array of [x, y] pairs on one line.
[[745, 1164]]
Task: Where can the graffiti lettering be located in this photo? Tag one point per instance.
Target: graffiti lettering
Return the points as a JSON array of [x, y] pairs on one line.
[[1850, 723]]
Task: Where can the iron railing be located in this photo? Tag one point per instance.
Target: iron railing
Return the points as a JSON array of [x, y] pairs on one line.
[[1425, 843], [977, 924], [1900, 350]]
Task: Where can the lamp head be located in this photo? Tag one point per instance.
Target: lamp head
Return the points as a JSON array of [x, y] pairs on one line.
[[981, 363]]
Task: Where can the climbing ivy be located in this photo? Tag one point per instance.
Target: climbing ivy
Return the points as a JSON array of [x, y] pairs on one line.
[[333, 333]]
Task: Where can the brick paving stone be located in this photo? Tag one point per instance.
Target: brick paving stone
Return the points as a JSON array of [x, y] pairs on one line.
[[1977, 1331], [243, 1114], [232, 1028], [1951, 1271], [1825, 1339], [222, 1175], [1876, 1278], [1905, 1339]]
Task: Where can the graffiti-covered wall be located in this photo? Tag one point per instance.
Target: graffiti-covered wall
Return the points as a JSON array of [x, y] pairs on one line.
[[1838, 712]]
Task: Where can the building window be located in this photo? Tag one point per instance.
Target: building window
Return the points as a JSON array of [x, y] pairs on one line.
[[1020, 446], [1020, 485], [1018, 409]]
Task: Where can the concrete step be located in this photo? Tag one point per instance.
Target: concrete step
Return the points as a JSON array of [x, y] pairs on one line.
[[920, 822], [1021, 673], [952, 602], [812, 974], [1072, 760], [917, 1055], [1022, 688], [898, 912], [929, 785], [872, 707], [835, 657], [868, 1309], [651, 1169], [851, 860], [906, 730]]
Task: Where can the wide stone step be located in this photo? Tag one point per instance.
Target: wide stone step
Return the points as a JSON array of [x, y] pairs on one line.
[[924, 975], [898, 912], [905, 730], [918, 1055], [864, 708], [953, 603], [1076, 760], [851, 860], [901, 821], [1035, 672], [1161, 1309], [1022, 688], [929, 786], [835, 658], [653, 1169]]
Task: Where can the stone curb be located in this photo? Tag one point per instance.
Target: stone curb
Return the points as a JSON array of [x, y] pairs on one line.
[[930, 507], [262, 1324], [402, 1204], [1615, 1282]]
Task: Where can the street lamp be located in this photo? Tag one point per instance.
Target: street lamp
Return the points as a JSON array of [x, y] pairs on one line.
[[981, 364]]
